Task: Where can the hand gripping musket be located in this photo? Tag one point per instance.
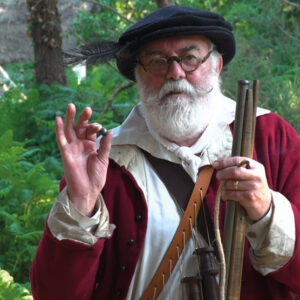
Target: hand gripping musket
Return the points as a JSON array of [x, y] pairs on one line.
[[204, 286], [235, 218]]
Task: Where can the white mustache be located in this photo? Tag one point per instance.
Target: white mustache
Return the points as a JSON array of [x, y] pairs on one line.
[[179, 86]]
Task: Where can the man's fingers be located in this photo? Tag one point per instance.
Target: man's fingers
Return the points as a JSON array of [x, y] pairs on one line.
[[83, 118], [105, 145], [237, 185], [69, 122], [91, 131], [235, 168], [227, 162], [234, 173], [88, 132], [245, 183], [60, 133], [85, 130]]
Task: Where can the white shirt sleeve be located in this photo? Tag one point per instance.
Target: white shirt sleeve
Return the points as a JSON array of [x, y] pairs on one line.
[[67, 223], [272, 238]]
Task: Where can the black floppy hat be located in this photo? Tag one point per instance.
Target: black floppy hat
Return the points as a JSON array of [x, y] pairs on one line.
[[164, 22], [174, 21]]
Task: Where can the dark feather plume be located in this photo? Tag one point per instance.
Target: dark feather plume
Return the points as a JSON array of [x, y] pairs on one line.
[[101, 51]]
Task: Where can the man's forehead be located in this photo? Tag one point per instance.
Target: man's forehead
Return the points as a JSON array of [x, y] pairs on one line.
[[177, 43]]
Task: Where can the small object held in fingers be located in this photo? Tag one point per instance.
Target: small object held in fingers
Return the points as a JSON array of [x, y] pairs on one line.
[[103, 131], [245, 162]]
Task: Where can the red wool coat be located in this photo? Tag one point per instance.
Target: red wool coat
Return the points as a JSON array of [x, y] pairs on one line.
[[71, 270]]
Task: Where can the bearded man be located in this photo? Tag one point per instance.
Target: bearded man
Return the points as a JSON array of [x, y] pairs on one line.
[[115, 217]]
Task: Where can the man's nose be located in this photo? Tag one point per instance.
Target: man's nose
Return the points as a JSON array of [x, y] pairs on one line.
[[175, 71]]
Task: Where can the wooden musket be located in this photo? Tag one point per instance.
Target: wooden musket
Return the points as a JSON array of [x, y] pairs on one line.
[[235, 218]]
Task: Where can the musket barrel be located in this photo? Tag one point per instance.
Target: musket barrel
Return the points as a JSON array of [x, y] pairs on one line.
[[243, 85], [239, 228], [235, 219]]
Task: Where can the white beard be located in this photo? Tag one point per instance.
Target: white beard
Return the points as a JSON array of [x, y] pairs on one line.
[[180, 118]]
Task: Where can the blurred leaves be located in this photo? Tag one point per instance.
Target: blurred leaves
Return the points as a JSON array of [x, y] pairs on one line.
[[9, 290], [26, 195]]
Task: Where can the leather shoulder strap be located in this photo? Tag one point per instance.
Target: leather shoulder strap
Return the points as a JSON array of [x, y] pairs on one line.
[[180, 185], [181, 236]]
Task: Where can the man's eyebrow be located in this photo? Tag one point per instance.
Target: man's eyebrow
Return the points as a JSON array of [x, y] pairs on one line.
[[153, 52], [189, 48]]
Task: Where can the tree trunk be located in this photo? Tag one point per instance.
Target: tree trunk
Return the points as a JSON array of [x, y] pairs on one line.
[[47, 39], [162, 3]]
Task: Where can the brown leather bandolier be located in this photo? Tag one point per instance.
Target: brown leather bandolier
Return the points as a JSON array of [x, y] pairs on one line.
[[183, 232]]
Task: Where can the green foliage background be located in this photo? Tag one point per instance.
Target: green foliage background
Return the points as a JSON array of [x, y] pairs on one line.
[[268, 49]]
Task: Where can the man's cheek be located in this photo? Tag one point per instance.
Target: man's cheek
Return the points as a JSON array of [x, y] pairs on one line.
[[198, 78], [156, 83]]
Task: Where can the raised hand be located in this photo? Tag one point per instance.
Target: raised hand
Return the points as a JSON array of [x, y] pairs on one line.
[[247, 186], [85, 167]]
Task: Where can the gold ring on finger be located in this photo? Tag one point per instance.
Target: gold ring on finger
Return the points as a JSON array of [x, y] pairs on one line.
[[235, 185]]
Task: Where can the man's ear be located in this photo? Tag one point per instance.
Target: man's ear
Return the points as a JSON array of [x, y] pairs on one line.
[[219, 64]]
